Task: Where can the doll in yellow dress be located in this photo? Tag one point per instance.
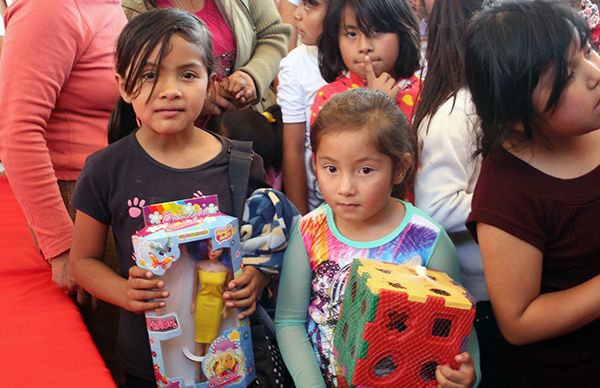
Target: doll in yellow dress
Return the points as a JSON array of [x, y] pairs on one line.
[[208, 308]]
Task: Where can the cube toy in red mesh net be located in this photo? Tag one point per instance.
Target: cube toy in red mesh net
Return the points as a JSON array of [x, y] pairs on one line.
[[397, 326]]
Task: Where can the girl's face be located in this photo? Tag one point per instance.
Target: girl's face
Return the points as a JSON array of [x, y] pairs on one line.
[[356, 180], [382, 47], [578, 110], [309, 17], [179, 89]]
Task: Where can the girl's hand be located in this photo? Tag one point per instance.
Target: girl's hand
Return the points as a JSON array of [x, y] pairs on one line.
[[143, 292], [385, 82], [193, 308], [464, 376], [249, 286], [241, 86], [217, 101]]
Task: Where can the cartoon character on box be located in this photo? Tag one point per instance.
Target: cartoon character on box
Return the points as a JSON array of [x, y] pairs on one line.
[[208, 307], [195, 340]]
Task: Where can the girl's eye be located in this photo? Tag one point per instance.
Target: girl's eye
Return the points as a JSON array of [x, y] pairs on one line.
[[366, 170], [188, 75], [331, 169], [149, 76]]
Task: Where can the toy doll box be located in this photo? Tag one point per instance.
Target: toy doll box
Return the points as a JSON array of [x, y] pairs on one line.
[[195, 341]]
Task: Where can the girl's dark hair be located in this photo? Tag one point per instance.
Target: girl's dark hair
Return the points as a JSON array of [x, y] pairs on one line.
[[509, 47], [250, 125], [445, 54], [395, 16], [363, 108], [135, 45]]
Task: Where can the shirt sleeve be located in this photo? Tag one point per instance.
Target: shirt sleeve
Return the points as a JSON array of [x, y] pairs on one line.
[[272, 38], [40, 47], [445, 180], [291, 315], [445, 259], [90, 196], [290, 95]]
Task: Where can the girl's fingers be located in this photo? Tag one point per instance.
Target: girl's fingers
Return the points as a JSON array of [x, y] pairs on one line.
[[140, 306], [146, 284], [145, 295], [441, 375]]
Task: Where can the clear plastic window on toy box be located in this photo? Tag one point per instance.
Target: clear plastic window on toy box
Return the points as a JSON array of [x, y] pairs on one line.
[[196, 341]]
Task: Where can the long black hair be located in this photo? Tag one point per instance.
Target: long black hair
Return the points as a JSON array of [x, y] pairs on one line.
[[509, 47], [136, 43], [395, 16], [445, 54]]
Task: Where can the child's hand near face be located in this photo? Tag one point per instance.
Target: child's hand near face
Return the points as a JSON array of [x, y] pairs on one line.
[[144, 292], [241, 86], [385, 82], [464, 376], [243, 291]]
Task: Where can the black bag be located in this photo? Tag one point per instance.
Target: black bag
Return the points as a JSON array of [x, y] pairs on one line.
[[270, 368]]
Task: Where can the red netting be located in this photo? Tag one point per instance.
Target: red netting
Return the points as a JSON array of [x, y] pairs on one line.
[[397, 326]]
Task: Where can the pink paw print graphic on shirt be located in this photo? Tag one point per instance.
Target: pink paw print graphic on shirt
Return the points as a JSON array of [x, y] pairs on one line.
[[198, 194], [135, 207]]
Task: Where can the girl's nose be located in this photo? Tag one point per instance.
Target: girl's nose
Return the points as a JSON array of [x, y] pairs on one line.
[[346, 186], [169, 89], [365, 45], [594, 71], [298, 12]]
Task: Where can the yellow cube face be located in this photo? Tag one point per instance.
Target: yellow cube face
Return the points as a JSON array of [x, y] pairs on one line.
[[399, 277]]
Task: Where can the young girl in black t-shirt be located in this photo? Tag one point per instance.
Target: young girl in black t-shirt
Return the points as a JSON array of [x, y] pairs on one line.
[[164, 70]]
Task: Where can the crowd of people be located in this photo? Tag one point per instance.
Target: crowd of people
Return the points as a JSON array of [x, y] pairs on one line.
[[461, 132]]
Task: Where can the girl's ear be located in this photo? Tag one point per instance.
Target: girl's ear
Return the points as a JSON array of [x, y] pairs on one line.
[[403, 166], [121, 84]]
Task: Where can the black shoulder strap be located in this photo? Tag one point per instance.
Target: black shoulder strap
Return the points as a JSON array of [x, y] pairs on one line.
[[240, 158]]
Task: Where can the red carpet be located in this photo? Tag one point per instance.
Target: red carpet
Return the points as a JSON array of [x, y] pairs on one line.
[[44, 342]]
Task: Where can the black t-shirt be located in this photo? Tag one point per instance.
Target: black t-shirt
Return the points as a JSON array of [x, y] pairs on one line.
[[116, 182]]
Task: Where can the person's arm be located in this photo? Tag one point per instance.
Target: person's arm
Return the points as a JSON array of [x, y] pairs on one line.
[[286, 10], [291, 316], [513, 271], [291, 99], [293, 168], [31, 78], [444, 181], [271, 45], [140, 292]]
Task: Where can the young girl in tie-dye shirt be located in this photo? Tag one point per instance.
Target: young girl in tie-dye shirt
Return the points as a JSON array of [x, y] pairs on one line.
[[363, 154]]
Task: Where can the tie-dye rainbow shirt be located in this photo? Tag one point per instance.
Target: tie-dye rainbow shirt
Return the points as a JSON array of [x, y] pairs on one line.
[[330, 256]]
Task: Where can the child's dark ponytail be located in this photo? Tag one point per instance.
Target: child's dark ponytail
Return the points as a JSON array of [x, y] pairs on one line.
[[122, 121]]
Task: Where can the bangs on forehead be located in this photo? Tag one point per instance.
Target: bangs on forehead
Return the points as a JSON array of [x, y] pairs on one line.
[[370, 16]]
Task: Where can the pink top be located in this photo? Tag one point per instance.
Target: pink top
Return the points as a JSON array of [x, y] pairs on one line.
[[222, 37], [57, 90]]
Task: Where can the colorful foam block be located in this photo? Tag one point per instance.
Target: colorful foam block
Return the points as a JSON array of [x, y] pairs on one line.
[[396, 326]]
